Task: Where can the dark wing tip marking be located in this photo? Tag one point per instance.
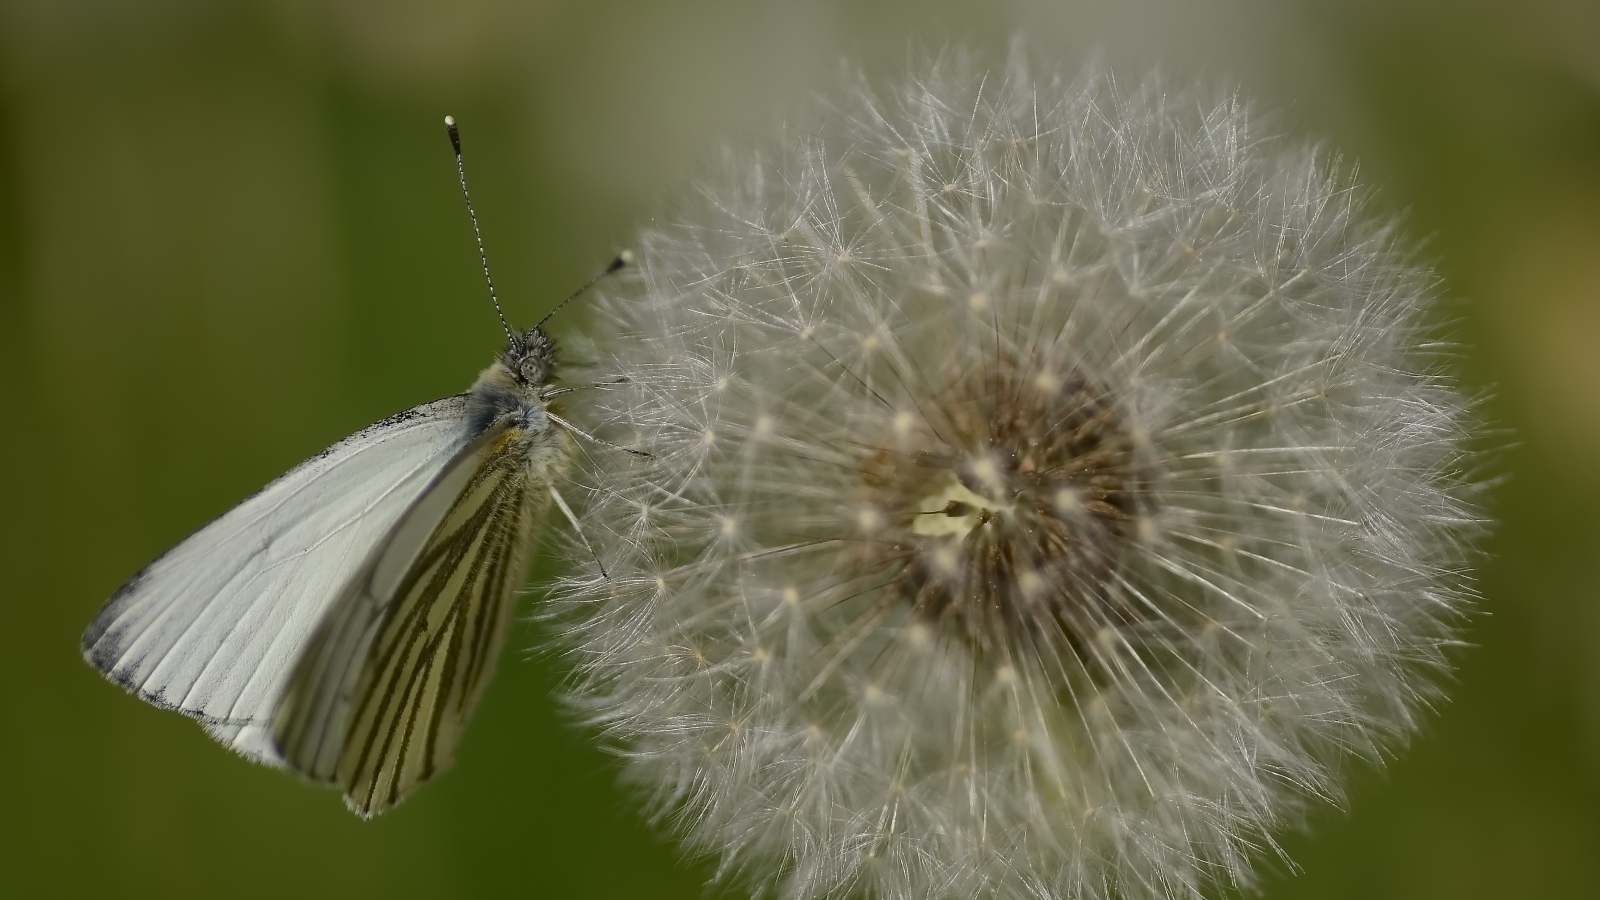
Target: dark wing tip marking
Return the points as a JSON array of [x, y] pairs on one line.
[[101, 652], [105, 648], [93, 653]]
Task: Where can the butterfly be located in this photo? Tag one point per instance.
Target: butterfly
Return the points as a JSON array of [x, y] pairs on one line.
[[345, 620]]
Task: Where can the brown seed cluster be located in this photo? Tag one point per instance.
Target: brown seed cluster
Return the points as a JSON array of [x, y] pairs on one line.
[[1003, 518]]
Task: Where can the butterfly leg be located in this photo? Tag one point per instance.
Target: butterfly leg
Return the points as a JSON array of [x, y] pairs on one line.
[[556, 392], [584, 434], [572, 517]]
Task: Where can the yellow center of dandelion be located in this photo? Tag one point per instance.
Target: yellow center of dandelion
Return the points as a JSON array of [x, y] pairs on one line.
[[968, 509]]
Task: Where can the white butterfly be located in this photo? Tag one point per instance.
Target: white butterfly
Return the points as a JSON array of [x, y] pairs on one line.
[[345, 621]]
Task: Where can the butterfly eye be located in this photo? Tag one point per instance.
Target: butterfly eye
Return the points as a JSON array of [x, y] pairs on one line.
[[535, 369], [535, 357]]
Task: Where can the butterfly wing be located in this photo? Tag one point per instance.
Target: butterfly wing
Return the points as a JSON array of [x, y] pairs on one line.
[[379, 701], [213, 628]]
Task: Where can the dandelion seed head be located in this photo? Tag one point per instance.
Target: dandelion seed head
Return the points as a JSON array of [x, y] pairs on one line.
[[1076, 493]]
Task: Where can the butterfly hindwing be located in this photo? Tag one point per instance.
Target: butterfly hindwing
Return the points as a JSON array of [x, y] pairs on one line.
[[381, 697]]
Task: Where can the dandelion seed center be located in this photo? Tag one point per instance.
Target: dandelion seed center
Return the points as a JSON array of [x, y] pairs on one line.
[[1012, 535]]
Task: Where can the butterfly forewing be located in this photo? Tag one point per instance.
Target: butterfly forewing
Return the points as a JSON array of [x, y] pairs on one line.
[[213, 627], [380, 700]]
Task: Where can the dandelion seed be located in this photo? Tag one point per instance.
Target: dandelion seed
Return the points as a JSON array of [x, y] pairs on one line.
[[1118, 502]]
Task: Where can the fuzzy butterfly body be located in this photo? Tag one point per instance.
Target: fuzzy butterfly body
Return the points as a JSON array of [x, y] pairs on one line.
[[345, 621]]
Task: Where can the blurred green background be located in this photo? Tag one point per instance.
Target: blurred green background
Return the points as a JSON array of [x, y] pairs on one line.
[[230, 235]]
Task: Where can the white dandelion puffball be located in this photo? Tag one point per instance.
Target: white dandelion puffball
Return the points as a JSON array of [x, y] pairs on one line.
[[1050, 488]]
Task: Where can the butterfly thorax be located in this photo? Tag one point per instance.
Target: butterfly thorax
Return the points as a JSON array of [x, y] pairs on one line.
[[515, 390]]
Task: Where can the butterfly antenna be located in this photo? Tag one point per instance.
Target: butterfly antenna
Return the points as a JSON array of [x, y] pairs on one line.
[[625, 258], [483, 257]]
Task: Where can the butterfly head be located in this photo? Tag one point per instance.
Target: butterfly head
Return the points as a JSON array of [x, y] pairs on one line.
[[530, 359]]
